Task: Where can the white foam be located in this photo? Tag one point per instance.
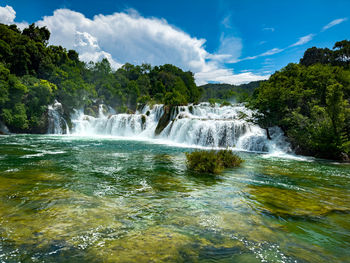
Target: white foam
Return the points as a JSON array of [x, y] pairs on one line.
[[193, 126]]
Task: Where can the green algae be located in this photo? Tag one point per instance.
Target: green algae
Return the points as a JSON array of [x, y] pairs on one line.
[[299, 204]]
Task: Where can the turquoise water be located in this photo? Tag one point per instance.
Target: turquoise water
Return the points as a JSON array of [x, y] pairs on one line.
[[71, 199]]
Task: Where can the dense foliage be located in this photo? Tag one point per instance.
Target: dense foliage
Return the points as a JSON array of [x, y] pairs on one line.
[[226, 92], [212, 161], [310, 102], [33, 75]]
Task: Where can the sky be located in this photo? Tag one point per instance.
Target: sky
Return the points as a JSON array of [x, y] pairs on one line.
[[222, 41]]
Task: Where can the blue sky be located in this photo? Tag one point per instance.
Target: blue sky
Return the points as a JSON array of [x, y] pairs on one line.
[[220, 41]]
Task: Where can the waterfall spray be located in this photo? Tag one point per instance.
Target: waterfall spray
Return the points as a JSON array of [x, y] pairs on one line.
[[193, 125], [56, 123]]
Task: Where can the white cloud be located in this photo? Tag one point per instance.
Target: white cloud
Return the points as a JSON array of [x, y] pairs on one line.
[[271, 29], [127, 37], [271, 52], [227, 76], [226, 22], [266, 53], [7, 15], [90, 50], [303, 40], [230, 45], [334, 23]]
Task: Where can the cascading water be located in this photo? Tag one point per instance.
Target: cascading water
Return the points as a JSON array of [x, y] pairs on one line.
[[56, 123], [140, 124], [193, 125]]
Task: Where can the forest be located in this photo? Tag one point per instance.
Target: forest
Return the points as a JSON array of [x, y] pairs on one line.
[[310, 102], [226, 92]]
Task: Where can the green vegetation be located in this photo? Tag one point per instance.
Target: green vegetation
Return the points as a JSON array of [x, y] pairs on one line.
[[212, 161], [224, 92], [33, 75], [310, 102]]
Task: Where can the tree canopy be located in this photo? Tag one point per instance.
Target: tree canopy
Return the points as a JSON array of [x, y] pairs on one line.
[[310, 102]]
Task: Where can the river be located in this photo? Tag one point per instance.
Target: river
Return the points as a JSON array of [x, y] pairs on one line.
[[70, 198]]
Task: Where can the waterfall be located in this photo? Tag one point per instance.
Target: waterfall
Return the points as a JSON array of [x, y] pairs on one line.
[[193, 125], [56, 123]]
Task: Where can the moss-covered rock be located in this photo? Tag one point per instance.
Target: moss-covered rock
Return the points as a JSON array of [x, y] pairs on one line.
[[143, 121], [190, 108], [212, 161], [165, 119], [297, 204]]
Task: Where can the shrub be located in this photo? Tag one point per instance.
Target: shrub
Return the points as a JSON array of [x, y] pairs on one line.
[[225, 103], [212, 102], [212, 161]]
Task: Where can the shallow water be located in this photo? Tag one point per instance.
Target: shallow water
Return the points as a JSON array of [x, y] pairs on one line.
[[73, 199]]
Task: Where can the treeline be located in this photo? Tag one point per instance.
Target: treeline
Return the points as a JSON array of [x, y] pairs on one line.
[[33, 75], [228, 92], [310, 102]]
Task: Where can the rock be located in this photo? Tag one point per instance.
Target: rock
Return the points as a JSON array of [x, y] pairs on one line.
[[344, 157], [143, 121], [165, 119]]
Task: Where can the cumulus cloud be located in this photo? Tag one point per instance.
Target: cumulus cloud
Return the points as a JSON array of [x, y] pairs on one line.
[[303, 40], [7, 15], [90, 50], [334, 23]]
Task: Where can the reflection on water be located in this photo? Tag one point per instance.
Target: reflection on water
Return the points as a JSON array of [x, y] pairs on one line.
[[65, 199]]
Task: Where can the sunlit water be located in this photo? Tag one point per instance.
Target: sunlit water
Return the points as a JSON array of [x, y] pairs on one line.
[[74, 199]]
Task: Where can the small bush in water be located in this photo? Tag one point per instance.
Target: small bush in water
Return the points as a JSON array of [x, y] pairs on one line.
[[212, 161]]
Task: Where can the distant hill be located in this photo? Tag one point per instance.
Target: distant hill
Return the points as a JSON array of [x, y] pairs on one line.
[[229, 92]]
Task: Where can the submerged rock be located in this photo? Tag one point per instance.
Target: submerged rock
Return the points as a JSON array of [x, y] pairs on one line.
[[344, 157], [288, 203]]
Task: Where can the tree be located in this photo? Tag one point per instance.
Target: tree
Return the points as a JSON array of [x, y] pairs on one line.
[[316, 55], [37, 34], [336, 108], [342, 53]]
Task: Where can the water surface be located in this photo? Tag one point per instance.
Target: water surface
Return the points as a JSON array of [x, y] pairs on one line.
[[73, 199]]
